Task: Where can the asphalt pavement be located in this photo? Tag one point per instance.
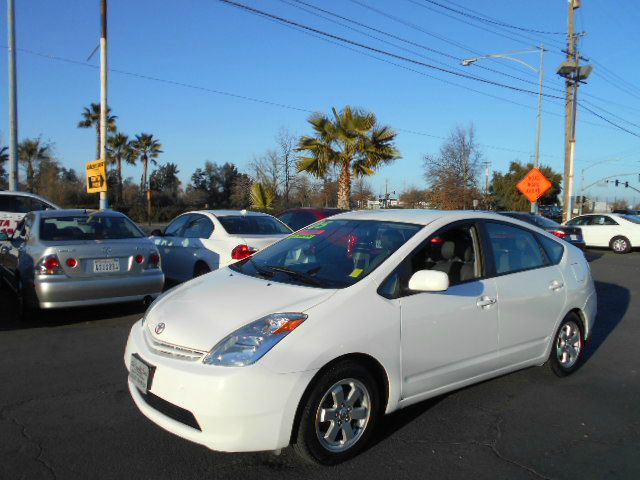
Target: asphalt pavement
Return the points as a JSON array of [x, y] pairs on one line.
[[65, 411]]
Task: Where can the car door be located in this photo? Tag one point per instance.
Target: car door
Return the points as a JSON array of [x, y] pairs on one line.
[[602, 228], [194, 246], [15, 249], [531, 291], [452, 336], [589, 233], [170, 246]]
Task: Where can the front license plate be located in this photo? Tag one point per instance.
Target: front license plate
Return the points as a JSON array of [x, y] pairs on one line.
[[106, 265], [140, 373]]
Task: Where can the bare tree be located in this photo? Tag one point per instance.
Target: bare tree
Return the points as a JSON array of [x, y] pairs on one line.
[[361, 192], [414, 197], [452, 173], [287, 143]]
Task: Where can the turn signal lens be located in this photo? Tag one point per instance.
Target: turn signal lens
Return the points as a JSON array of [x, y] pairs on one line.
[[72, 262], [242, 251], [49, 265], [560, 234], [154, 260], [139, 259]]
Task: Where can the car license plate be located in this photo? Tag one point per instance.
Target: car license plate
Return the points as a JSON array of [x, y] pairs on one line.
[[106, 265], [573, 237], [140, 373]]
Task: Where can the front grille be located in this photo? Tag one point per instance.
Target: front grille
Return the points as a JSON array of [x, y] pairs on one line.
[[172, 411], [174, 351]]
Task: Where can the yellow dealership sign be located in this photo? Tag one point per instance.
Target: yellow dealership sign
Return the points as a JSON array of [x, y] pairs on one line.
[[96, 176]]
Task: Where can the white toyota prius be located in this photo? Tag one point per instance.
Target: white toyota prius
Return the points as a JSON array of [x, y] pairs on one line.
[[309, 341]]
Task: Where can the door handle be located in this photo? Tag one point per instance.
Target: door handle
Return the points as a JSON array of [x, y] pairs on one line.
[[556, 285], [485, 302]]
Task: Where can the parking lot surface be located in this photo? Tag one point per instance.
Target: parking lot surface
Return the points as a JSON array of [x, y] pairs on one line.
[[65, 411]]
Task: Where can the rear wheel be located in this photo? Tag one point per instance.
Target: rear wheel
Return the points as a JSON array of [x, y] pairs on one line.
[[568, 347], [339, 415], [620, 244], [200, 269]]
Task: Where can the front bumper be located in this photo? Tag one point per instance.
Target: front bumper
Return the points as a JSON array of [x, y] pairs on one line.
[[60, 291], [236, 409]]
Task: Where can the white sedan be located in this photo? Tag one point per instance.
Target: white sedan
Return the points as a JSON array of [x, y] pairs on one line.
[[311, 340], [618, 232], [198, 242]]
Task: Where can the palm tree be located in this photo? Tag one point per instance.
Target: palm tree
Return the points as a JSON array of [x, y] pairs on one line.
[[261, 197], [148, 149], [30, 151], [119, 149], [91, 118], [352, 141]]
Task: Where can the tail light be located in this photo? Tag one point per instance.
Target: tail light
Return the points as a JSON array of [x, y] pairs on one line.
[[242, 251], [49, 265], [139, 258], [72, 262], [560, 234], [154, 260]]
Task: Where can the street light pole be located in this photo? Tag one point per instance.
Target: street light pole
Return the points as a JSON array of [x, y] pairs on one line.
[[540, 71], [103, 95], [14, 185]]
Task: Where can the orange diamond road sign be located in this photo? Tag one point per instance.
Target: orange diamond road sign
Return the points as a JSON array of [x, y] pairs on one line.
[[533, 185]]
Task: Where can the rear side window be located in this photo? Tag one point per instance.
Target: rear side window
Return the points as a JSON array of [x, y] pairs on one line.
[[301, 219], [198, 227], [87, 227], [8, 203], [175, 227], [514, 249], [553, 249], [253, 225]]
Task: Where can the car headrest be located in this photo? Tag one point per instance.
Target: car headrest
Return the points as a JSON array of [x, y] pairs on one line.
[[468, 254], [448, 250]]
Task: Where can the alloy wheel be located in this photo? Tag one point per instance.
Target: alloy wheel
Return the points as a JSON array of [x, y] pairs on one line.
[[568, 344]]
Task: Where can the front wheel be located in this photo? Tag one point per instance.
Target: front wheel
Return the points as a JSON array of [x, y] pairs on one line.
[[339, 416], [200, 269], [620, 244], [568, 347]]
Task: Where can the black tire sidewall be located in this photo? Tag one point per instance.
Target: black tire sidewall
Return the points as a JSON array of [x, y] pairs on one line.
[[200, 269], [620, 237], [307, 443], [554, 363]]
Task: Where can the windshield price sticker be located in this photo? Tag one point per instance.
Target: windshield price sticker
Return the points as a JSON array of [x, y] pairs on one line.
[[307, 234]]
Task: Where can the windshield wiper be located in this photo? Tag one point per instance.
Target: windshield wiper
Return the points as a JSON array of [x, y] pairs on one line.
[[301, 276]]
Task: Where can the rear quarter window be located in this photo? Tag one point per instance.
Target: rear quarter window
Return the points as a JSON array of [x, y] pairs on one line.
[[553, 249]]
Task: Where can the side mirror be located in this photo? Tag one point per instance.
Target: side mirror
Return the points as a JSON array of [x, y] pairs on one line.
[[157, 233], [429, 281], [4, 237]]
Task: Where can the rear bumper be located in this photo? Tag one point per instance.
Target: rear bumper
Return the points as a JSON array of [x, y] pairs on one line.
[[62, 291]]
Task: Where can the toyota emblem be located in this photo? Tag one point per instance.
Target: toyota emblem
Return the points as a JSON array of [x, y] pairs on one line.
[[160, 328]]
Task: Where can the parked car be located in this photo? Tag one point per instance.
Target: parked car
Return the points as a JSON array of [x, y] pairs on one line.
[[297, 218], [551, 211], [618, 232], [313, 339], [572, 235], [198, 242], [626, 211], [15, 205], [72, 258]]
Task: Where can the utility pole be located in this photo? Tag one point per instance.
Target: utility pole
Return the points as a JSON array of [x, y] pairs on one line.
[[534, 205], [103, 94], [14, 185]]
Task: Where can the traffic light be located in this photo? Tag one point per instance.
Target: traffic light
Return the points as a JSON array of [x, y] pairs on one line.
[[617, 182]]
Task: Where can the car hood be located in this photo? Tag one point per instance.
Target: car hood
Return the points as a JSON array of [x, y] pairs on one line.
[[201, 312]]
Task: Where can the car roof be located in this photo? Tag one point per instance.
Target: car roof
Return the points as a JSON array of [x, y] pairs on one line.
[[227, 213], [69, 212], [417, 216], [28, 194]]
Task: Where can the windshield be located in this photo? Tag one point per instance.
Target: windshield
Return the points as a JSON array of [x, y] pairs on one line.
[[329, 253], [88, 227], [253, 225], [631, 218]]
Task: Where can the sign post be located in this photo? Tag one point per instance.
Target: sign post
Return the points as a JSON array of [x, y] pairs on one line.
[[96, 176], [533, 185]]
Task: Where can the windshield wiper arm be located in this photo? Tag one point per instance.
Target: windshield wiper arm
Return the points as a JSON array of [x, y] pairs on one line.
[[303, 277]]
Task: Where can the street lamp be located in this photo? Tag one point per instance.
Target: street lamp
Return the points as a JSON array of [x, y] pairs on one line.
[[540, 71]]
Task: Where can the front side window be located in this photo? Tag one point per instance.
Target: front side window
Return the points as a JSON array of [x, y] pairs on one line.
[[514, 249], [329, 253], [579, 221], [87, 227], [253, 225], [174, 228], [453, 250]]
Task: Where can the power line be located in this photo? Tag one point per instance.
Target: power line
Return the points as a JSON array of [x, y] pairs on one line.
[[378, 50], [609, 121]]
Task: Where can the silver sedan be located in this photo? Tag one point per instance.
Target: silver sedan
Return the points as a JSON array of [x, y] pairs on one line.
[[72, 258]]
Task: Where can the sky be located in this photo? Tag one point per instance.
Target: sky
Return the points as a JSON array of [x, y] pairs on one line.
[[215, 82]]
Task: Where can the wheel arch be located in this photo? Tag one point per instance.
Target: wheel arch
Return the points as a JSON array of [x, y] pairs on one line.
[[370, 363]]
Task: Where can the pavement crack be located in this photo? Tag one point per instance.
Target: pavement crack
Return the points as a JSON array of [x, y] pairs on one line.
[[40, 457]]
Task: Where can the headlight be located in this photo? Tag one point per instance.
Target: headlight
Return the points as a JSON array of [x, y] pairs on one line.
[[249, 343]]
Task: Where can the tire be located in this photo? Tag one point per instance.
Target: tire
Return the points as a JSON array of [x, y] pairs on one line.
[[200, 269], [620, 244], [27, 311], [345, 389], [567, 350]]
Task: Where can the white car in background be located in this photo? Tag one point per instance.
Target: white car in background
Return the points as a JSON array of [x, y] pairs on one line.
[[313, 339], [618, 232], [15, 205], [198, 242]]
